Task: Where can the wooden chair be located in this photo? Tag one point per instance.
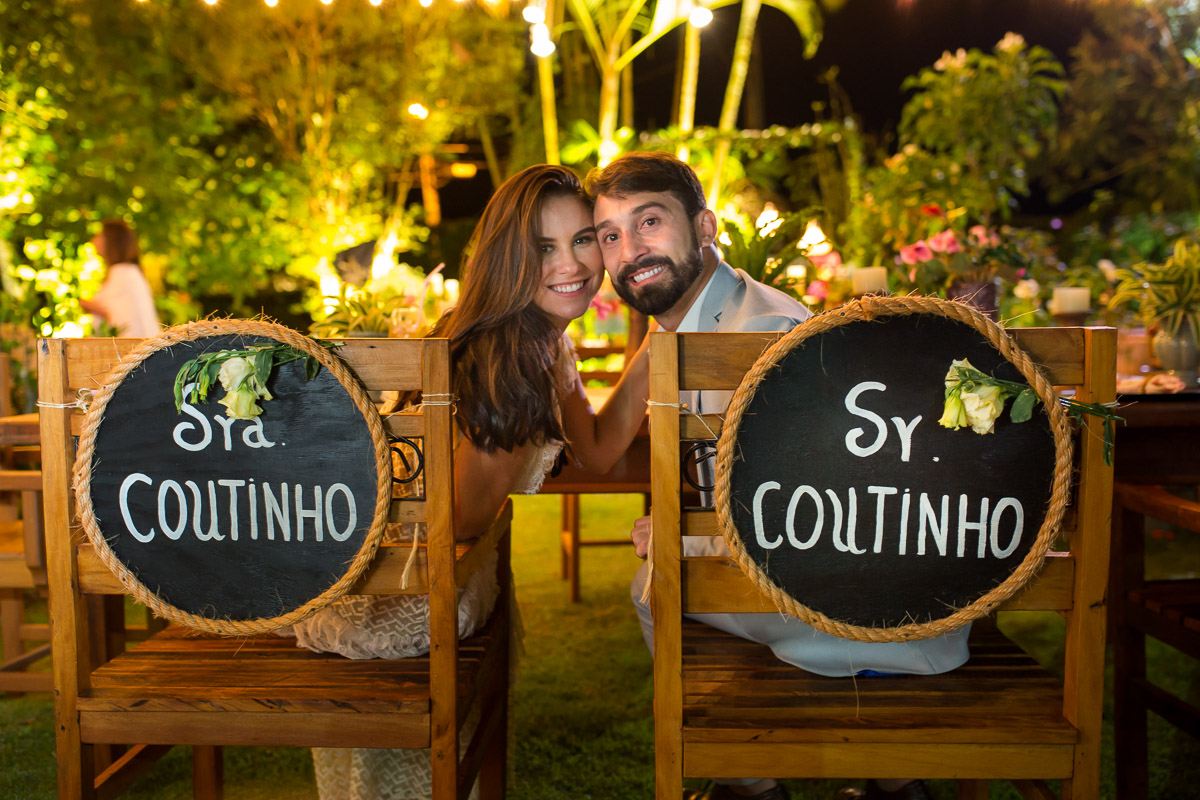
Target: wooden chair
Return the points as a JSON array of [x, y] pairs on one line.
[[22, 548], [1168, 610], [182, 687], [725, 707]]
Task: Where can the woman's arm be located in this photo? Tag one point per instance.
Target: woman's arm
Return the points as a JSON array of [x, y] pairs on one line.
[[599, 438], [482, 482]]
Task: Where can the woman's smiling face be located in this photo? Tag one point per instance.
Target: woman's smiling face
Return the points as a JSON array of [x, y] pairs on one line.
[[572, 269]]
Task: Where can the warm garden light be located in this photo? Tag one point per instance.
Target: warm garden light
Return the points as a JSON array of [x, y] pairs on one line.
[[542, 49], [211, 2], [534, 14], [376, 2], [463, 169], [814, 239], [417, 110], [271, 3], [700, 17]]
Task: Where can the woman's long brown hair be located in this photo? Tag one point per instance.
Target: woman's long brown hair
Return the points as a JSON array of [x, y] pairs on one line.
[[502, 345]]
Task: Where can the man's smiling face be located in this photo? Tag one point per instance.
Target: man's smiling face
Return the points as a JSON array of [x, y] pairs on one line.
[[651, 249]]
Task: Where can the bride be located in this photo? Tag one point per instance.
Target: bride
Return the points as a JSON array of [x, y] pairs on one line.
[[533, 265]]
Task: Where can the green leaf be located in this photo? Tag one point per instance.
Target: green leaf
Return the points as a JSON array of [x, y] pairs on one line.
[[264, 362], [311, 368], [1022, 407]]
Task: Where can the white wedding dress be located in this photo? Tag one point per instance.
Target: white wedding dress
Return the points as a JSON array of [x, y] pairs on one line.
[[359, 626]]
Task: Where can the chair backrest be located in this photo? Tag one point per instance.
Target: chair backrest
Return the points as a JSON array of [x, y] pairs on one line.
[[1071, 581], [441, 565]]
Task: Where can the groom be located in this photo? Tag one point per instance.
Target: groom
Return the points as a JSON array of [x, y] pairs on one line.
[[657, 238]]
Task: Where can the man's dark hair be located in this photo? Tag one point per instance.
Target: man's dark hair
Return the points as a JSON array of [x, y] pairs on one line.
[[649, 172]]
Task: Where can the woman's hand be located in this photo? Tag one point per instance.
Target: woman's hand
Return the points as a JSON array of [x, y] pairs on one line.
[[641, 537]]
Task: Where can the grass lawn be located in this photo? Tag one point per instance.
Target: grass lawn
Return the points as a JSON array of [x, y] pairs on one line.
[[583, 694]]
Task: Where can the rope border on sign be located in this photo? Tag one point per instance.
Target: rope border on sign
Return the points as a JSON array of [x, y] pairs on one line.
[[191, 332], [867, 309]]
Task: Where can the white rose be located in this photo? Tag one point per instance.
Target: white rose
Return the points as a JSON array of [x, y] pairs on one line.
[[982, 407], [234, 371], [952, 377]]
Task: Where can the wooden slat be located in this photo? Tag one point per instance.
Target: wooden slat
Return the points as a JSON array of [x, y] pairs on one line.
[[72, 662], [14, 574], [296, 729], [884, 760], [407, 511], [701, 367], [1056, 350], [1083, 693], [700, 426], [716, 584], [699, 523], [665, 599], [20, 480], [121, 774], [722, 360], [411, 425], [92, 359]]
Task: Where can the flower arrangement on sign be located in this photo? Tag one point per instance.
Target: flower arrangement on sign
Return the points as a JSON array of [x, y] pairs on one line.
[[976, 400], [243, 374]]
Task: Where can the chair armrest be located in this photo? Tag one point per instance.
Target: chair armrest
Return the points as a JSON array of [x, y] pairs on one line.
[[1154, 501]]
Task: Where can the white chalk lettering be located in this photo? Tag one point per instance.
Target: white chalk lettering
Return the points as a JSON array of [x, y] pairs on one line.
[[233, 504], [277, 511], [854, 434], [881, 493], [226, 424], [198, 506], [352, 519], [254, 435], [931, 523], [136, 477], [964, 526], [181, 500], [254, 510], [905, 432], [759, 532], [1018, 526], [187, 427], [905, 502], [790, 526], [302, 513]]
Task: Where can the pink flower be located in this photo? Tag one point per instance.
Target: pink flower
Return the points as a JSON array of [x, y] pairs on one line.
[[830, 260], [983, 237], [817, 290], [604, 307], [916, 253], [944, 242]]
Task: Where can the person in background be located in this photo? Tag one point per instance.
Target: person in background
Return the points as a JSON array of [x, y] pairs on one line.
[[124, 300]]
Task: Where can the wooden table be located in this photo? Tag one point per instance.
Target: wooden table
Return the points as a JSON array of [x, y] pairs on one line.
[[1160, 439]]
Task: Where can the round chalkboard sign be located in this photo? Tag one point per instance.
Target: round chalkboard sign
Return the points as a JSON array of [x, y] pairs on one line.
[[233, 526], [842, 496]]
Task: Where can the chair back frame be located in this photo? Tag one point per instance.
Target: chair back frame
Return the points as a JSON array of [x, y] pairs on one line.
[[1080, 358]]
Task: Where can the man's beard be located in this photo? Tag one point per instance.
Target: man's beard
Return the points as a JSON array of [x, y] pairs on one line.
[[663, 292]]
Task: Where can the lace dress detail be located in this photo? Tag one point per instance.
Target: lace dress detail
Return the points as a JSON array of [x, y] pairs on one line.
[[359, 626]]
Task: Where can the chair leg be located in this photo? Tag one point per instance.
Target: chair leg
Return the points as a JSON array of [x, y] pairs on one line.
[[570, 543], [11, 607], [974, 790], [1129, 714], [208, 772]]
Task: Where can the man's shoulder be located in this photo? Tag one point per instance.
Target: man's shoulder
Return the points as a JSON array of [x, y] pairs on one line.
[[758, 307]]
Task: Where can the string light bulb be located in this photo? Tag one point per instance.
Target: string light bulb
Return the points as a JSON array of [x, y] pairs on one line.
[[326, 2], [700, 17], [426, 3], [376, 2], [417, 110], [271, 3], [211, 2], [534, 14], [541, 47]]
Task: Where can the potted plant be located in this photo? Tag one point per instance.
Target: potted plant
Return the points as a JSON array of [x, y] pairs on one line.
[[361, 313], [1167, 295]]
